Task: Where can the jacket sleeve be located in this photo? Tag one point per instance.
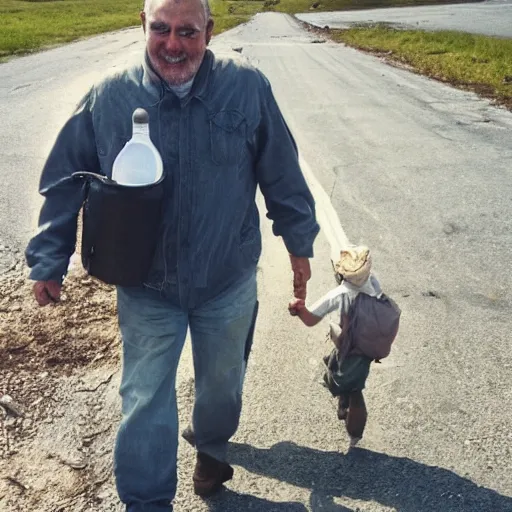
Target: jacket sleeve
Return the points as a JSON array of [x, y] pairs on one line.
[[49, 251], [290, 204]]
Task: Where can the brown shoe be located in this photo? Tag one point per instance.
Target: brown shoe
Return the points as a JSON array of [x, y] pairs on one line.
[[210, 474]]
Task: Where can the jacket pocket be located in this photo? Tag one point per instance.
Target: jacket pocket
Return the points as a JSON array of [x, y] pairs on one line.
[[227, 137]]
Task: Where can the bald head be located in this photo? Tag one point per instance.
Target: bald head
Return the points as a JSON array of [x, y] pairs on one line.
[[150, 4]]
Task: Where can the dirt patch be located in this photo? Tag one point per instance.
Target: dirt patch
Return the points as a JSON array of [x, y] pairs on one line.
[[61, 367], [78, 330], [57, 364]]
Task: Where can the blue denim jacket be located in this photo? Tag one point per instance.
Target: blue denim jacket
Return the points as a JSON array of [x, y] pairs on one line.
[[217, 144]]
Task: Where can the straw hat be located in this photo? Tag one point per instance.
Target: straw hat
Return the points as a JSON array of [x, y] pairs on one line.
[[355, 264]]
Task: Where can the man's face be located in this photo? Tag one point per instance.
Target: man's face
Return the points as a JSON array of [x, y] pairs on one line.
[[177, 33]]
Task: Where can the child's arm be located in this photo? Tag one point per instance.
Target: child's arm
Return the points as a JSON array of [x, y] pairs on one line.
[[330, 302], [297, 307]]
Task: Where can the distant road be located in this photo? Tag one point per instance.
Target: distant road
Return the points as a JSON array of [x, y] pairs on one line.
[[492, 18]]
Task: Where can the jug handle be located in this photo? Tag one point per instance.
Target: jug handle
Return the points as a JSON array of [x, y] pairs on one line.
[[91, 175]]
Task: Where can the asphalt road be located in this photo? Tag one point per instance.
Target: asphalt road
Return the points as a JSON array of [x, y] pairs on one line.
[[418, 171], [491, 17], [421, 173]]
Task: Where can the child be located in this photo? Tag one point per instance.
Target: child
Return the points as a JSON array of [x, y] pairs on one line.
[[354, 270]]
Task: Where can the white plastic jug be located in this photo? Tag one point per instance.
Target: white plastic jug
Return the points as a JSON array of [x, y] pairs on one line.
[[139, 163]]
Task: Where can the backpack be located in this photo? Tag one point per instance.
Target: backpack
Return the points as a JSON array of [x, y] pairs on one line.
[[369, 328]]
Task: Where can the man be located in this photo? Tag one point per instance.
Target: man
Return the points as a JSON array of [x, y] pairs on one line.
[[220, 134]]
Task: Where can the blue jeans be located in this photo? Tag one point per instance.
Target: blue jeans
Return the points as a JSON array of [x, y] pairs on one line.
[[153, 332]]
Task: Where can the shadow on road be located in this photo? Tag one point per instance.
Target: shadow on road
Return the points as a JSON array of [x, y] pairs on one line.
[[395, 482], [235, 502]]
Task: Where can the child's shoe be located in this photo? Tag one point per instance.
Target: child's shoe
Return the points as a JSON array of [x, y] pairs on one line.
[[354, 441]]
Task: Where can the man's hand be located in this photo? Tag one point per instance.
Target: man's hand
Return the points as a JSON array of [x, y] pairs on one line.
[[295, 306], [47, 292], [301, 276]]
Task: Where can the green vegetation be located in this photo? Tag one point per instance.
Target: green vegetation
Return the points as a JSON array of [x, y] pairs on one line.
[[295, 6], [228, 14], [476, 62], [29, 25], [480, 63]]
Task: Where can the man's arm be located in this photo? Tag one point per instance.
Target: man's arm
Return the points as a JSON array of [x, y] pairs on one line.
[[49, 251], [289, 202]]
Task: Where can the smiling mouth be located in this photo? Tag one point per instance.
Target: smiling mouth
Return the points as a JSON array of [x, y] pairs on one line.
[[174, 60]]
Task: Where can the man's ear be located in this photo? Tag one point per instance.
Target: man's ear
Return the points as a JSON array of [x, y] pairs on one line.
[[143, 20], [209, 30]]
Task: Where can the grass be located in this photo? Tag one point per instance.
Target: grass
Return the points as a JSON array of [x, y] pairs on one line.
[[295, 6], [29, 25], [230, 13], [479, 63]]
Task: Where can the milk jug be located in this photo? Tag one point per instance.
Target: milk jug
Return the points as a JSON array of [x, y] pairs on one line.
[[139, 163]]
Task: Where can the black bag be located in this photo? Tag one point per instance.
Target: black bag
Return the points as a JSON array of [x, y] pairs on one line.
[[120, 229]]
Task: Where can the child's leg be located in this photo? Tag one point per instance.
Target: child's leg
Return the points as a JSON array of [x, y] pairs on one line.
[[343, 404], [356, 417]]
